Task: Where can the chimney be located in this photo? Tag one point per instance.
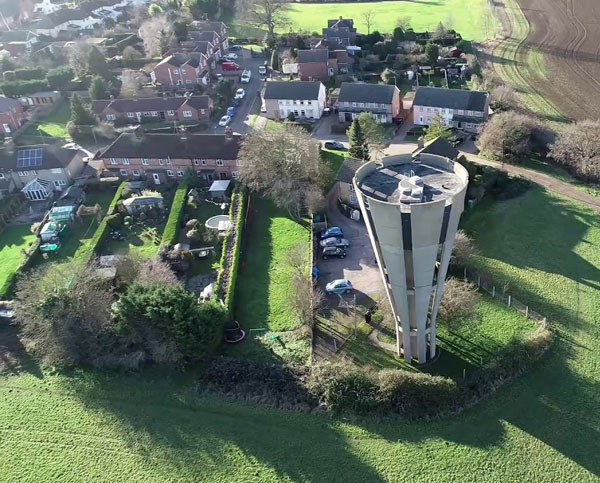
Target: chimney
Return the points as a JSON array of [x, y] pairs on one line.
[[184, 134], [112, 98], [139, 132], [9, 145], [228, 133]]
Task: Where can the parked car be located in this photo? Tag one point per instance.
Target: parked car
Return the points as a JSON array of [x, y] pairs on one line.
[[334, 231], [224, 121], [231, 111], [335, 242], [230, 56], [339, 286], [235, 102], [334, 145], [333, 252], [262, 70], [456, 140], [231, 66], [234, 48], [246, 75], [240, 93]]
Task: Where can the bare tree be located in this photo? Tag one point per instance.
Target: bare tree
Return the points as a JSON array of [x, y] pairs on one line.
[[78, 58], [503, 98], [270, 14], [283, 164], [458, 301], [464, 249], [157, 34], [508, 136], [578, 147], [440, 32], [132, 85], [315, 201], [471, 61], [403, 22], [368, 17]]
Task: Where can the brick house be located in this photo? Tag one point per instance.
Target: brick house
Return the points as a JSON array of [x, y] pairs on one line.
[[218, 27], [39, 170], [201, 48], [339, 33], [19, 42], [135, 111], [211, 37], [163, 157], [460, 109], [316, 65], [382, 101], [12, 115], [182, 69], [304, 99], [344, 184]]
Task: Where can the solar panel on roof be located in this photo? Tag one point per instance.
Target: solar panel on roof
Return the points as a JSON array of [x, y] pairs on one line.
[[29, 158]]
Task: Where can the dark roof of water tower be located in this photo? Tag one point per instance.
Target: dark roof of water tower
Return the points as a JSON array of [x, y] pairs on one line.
[[383, 184]]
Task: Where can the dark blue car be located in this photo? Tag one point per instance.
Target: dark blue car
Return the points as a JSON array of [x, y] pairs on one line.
[[231, 111], [334, 231]]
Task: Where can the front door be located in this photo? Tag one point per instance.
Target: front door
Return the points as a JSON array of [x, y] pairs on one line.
[[156, 178], [348, 116]]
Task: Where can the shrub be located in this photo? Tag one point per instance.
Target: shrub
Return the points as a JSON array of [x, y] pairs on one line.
[[171, 232], [458, 301], [59, 78], [115, 220], [22, 88], [29, 74]]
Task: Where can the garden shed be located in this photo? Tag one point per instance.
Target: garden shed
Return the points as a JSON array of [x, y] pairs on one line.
[[220, 189], [138, 204], [63, 214]]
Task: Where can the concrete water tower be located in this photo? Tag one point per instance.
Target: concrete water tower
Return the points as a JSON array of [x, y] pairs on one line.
[[411, 206]]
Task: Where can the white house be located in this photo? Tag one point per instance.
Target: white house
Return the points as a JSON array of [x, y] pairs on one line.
[[66, 19], [45, 7], [303, 99], [460, 109]]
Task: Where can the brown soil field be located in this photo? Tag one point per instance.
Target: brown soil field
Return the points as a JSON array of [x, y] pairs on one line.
[[559, 58]]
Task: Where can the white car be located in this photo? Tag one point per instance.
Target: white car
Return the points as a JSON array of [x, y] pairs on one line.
[[230, 56], [246, 75], [240, 93], [224, 121], [262, 70]]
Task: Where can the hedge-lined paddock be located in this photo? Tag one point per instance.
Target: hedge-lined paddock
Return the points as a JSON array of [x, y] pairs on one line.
[[88, 248], [171, 231]]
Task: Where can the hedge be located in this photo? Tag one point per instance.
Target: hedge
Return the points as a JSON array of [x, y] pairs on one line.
[[22, 88], [171, 232], [86, 251], [240, 198]]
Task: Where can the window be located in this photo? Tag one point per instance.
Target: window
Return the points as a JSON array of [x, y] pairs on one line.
[[461, 112], [176, 71], [238, 162], [59, 182], [131, 114], [110, 117], [146, 114], [125, 160], [429, 109], [154, 113], [183, 71], [20, 173], [202, 111], [123, 172], [1, 175], [33, 172], [135, 172], [187, 113], [361, 104], [161, 161], [145, 161], [219, 162], [350, 187], [196, 162], [170, 113], [309, 102], [168, 160], [203, 162], [180, 173], [353, 199], [113, 160], [56, 170], [234, 174], [170, 173], [354, 104]]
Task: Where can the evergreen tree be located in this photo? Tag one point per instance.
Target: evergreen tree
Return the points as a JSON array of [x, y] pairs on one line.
[[98, 89], [437, 128], [359, 147], [399, 34], [97, 64], [275, 60], [432, 51], [80, 114]]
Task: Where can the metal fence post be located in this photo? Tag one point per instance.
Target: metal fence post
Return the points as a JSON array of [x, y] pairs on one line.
[[527, 311], [493, 290], [509, 300]]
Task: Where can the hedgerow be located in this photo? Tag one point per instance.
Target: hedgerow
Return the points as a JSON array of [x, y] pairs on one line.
[[171, 231]]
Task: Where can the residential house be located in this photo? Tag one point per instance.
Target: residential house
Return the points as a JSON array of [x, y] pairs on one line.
[[440, 147], [211, 37], [382, 101], [66, 20], [339, 33], [182, 69], [344, 185], [460, 109], [201, 49], [316, 65], [45, 98], [218, 27], [304, 99], [104, 9], [46, 7], [135, 111], [18, 42], [40, 170], [163, 157], [12, 115]]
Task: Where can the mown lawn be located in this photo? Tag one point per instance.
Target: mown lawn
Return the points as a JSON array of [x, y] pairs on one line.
[[13, 240], [265, 278], [471, 18], [542, 427], [53, 125]]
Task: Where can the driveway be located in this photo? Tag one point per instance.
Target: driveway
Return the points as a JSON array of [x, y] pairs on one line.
[[359, 265]]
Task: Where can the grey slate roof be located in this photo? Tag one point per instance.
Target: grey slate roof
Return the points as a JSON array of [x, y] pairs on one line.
[[61, 16], [174, 146], [348, 169], [316, 55], [440, 147], [197, 35], [53, 156], [358, 92], [451, 98], [292, 90], [6, 103], [147, 104]]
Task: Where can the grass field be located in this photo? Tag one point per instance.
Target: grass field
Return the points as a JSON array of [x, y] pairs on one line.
[[471, 18], [264, 279], [53, 125], [13, 239], [545, 426]]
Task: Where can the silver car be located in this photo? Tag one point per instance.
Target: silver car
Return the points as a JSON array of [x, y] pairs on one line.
[[335, 242]]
